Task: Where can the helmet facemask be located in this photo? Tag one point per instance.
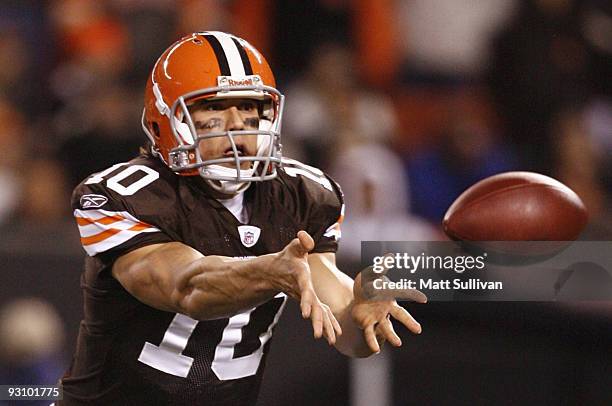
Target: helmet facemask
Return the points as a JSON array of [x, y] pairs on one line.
[[225, 174]]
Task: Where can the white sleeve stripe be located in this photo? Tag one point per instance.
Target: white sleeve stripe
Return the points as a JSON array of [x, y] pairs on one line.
[[114, 241], [98, 214], [96, 228]]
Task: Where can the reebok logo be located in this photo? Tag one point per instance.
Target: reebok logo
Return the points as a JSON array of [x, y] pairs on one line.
[[93, 201]]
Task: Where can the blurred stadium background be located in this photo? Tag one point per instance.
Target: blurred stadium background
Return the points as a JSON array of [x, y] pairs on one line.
[[405, 102]]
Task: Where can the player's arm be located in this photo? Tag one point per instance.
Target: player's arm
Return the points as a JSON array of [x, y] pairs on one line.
[[177, 278], [365, 323]]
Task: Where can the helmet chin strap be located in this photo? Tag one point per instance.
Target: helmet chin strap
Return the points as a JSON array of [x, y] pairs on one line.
[[227, 187]]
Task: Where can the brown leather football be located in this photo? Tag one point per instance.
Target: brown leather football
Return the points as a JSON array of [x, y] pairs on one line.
[[516, 206]]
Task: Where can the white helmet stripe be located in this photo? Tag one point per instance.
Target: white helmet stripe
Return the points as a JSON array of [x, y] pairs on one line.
[[231, 53]]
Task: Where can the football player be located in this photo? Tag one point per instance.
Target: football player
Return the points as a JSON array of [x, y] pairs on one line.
[[194, 246]]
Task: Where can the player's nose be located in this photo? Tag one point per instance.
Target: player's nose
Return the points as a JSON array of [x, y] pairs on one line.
[[233, 119]]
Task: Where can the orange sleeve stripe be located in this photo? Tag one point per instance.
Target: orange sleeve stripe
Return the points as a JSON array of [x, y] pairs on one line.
[[82, 221], [94, 239], [139, 227]]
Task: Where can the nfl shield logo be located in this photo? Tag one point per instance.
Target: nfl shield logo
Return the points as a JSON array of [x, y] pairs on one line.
[[249, 235]]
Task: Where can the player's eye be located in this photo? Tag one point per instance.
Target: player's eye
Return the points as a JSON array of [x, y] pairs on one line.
[[251, 122], [247, 106], [211, 124], [213, 107]]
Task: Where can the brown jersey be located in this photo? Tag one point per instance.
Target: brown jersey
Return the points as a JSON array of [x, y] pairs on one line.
[[129, 353]]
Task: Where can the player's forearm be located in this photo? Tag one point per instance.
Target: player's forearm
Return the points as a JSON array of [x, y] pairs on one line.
[[177, 278], [217, 287]]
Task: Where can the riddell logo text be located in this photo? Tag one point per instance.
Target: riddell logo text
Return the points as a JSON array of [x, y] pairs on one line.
[[246, 82]]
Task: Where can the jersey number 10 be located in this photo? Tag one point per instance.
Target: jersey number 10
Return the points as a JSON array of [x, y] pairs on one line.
[[168, 355], [113, 182]]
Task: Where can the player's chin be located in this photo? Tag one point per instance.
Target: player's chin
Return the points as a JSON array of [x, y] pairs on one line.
[[243, 165]]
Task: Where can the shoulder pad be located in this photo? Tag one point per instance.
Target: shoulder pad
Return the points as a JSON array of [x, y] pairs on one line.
[[294, 168], [124, 201]]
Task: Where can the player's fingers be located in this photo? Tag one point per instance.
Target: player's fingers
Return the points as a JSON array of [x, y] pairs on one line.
[[335, 324], [409, 294], [306, 292], [330, 333], [306, 240], [316, 318], [386, 329], [406, 319], [306, 304], [370, 338]]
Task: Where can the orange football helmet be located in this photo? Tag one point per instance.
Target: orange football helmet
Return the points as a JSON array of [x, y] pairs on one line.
[[212, 65]]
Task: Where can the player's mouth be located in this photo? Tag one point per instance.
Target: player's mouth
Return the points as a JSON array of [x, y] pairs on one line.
[[229, 152], [242, 151]]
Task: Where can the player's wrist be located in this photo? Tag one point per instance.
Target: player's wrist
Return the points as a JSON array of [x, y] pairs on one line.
[[261, 273]]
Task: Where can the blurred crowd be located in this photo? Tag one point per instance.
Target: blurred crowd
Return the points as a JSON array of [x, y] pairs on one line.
[[406, 103]]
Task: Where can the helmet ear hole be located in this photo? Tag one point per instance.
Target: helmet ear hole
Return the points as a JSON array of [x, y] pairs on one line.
[[155, 128]]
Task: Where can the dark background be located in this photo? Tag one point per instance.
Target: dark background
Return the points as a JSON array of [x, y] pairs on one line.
[[406, 103]]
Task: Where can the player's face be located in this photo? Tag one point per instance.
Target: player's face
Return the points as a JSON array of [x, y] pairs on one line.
[[226, 115]]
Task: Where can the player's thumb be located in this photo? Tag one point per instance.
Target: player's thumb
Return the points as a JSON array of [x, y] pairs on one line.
[[306, 240], [301, 245]]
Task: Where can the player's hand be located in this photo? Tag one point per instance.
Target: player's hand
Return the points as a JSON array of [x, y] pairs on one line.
[[373, 308], [292, 276]]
